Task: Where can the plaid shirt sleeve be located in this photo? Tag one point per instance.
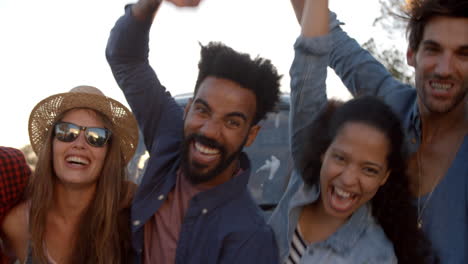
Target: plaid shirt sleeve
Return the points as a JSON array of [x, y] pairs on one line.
[[14, 174]]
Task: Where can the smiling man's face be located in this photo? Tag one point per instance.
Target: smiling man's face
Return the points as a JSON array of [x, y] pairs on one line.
[[441, 65], [218, 124]]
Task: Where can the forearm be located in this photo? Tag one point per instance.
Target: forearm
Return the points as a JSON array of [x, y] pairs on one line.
[[145, 10], [360, 72], [314, 20], [298, 6], [308, 90], [308, 73]]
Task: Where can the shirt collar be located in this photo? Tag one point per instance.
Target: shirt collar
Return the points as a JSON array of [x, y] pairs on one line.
[[344, 239], [415, 119], [217, 196]]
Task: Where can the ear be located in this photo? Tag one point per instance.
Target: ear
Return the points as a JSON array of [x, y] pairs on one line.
[[187, 107], [384, 180], [253, 131], [411, 57]]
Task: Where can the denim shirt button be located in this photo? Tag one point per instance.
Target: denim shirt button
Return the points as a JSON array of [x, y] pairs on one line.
[[161, 197], [413, 140], [136, 222], [204, 211]]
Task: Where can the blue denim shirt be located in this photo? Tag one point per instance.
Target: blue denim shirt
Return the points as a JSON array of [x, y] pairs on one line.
[[360, 239], [222, 224], [446, 214]]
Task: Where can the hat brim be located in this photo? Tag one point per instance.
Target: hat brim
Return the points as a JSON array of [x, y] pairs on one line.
[[45, 114]]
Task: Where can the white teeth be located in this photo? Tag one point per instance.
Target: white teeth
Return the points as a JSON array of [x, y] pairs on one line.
[[206, 150], [342, 193], [440, 86], [76, 159]]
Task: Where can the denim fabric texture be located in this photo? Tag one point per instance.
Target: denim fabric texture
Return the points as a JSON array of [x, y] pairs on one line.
[[222, 224], [360, 239], [445, 216]]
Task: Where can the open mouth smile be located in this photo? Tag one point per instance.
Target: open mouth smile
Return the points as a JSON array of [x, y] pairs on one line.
[[440, 86], [341, 200], [77, 161], [441, 89], [204, 154], [205, 150]]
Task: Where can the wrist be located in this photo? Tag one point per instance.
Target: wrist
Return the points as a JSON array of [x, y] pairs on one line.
[[146, 9]]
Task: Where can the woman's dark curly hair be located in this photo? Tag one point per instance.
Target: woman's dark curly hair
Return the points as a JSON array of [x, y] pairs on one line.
[[257, 75], [391, 205]]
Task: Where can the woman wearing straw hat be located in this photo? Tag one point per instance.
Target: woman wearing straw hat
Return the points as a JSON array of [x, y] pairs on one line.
[[78, 199]]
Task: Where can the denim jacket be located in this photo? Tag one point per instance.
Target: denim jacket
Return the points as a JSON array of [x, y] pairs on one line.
[[445, 216], [360, 239], [222, 224]]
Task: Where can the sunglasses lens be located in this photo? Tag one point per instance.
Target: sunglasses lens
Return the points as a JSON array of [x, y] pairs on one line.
[[66, 132], [97, 136]]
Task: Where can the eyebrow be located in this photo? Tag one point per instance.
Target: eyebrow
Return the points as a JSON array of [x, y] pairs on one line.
[[434, 43], [203, 102], [365, 162], [232, 114], [430, 42], [374, 164]]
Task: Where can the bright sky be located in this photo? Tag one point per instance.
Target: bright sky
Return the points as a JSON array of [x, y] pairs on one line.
[[51, 46]]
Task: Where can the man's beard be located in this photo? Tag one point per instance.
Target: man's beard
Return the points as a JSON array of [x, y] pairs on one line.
[[189, 169]]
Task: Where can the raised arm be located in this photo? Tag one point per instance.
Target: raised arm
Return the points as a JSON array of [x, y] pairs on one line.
[[361, 73], [157, 113], [127, 54], [298, 6], [314, 21], [308, 74]]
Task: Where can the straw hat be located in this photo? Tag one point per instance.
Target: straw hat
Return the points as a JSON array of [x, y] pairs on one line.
[[45, 114]]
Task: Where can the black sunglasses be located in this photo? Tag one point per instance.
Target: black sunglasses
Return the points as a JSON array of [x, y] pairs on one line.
[[68, 132]]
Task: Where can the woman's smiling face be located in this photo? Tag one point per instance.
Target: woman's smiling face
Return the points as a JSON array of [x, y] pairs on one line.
[[353, 169], [78, 163]]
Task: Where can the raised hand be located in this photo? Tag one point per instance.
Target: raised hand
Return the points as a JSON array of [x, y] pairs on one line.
[[145, 9], [185, 3]]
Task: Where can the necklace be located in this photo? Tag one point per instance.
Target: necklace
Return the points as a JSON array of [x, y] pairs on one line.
[[423, 206]]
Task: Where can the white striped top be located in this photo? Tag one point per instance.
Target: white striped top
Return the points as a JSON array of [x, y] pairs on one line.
[[298, 246]]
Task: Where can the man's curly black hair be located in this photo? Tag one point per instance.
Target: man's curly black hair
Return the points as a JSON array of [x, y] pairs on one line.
[[392, 205], [258, 75]]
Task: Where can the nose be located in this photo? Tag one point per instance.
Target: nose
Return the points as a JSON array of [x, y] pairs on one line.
[[349, 175], [211, 129], [444, 65], [80, 141]]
